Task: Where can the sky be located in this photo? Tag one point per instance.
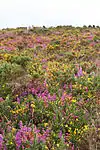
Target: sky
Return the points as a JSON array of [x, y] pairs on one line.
[[17, 13]]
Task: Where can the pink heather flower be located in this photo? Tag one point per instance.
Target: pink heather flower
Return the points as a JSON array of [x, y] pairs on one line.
[[75, 117], [92, 44], [90, 37], [86, 89], [39, 40], [46, 92], [1, 99], [44, 67], [63, 96], [70, 86], [49, 97], [45, 101], [73, 148], [54, 117], [35, 55]]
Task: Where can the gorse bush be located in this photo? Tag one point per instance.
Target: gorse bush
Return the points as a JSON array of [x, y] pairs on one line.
[[10, 71], [20, 60]]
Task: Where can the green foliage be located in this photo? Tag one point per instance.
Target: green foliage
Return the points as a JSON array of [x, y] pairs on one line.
[[9, 71], [20, 60]]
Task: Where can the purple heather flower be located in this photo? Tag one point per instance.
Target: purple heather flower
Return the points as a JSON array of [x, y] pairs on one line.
[[44, 136], [18, 100], [24, 93], [54, 96], [23, 135], [36, 130], [20, 124], [44, 46], [33, 91], [1, 141], [80, 73], [49, 96], [45, 83], [54, 117], [38, 39], [46, 92], [8, 128], [60, 134], [18, 141], [1, 138], [70, 86], [64, 87], [1, 131]]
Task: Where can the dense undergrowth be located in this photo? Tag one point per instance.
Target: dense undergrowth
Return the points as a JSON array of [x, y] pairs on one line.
[[49, 88]]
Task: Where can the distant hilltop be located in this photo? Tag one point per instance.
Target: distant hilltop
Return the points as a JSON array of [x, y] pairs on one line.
[[44, 27]]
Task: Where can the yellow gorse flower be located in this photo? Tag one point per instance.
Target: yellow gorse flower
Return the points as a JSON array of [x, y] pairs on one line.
[[75, 131], [11, 143], [71, 122], [32, 105], [58, 145], [85, 127], [18, 111], [89, 95], [46, 148], [13, 130], [66, 125], [6, 56], [73, 100], [50, 47], [45, 124]]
